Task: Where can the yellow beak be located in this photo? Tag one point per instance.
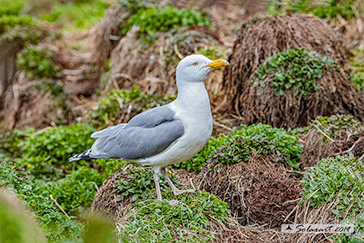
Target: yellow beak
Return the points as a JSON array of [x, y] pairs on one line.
[[218, 63]]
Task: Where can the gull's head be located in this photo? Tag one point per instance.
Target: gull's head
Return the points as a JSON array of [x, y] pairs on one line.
[[195, 68]]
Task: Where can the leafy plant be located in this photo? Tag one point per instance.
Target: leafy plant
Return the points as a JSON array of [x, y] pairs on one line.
[[259, 139], [83, 14], [137, 183], [299, 69], [240, 144], [38, 63], [56, 226], [46, 152], [152, 20], [333, 178], [186, 221]]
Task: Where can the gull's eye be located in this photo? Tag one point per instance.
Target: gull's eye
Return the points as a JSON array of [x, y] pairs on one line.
[[195, 64]]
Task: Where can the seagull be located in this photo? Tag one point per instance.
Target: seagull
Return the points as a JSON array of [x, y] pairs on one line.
[[167, 134]]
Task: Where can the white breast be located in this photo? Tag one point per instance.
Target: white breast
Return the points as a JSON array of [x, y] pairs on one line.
[[195, 113]]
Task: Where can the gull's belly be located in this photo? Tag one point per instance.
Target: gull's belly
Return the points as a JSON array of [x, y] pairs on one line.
[[184, 148]]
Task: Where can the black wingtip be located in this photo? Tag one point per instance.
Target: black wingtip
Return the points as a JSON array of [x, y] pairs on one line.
[[85, 155]]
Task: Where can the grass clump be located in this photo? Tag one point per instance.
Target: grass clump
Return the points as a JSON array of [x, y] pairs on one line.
[[38, 63], [152, 20], [117, 103], [298, 68], [79, 15], [187, 221], [240, 144]]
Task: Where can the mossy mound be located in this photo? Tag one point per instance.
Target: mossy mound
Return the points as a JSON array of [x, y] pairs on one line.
[[271, 81], [331, 136]]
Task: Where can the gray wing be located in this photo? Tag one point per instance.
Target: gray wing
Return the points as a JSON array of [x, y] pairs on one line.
[[107, 131], [146, 135]]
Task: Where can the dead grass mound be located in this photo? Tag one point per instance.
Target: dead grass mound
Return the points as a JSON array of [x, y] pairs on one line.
[[261, 39], [105, 200], [257, 192], [328, 140], [153, 67]]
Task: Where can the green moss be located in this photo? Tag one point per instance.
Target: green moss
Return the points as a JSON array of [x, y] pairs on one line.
[[152, 20], [338, 178], [38, 63], [296, 69], [118, 102], [187, 221], [79, 15]]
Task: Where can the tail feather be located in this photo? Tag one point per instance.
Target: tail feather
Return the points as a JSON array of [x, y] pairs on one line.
[[85, 155]]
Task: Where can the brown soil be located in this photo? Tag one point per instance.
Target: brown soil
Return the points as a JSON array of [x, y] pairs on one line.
[[261, 39], [257, 192]]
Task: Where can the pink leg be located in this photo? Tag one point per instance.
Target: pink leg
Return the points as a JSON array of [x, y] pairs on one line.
[[157, 187], [175, 191]]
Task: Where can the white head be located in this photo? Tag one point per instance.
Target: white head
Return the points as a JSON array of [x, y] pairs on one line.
[[195, 68]]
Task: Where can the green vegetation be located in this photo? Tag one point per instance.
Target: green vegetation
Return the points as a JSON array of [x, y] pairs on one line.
[[338, 178], [56, 226], [8, 21], [137, 184], [82, 14], [330, 125], [357, 67], [16, 225], [118, 102], [187, 221], [328, 9], [239, 145], [46, 153], [325, 9], [38, 63], [299, 69], [11, 7], [152, 20]]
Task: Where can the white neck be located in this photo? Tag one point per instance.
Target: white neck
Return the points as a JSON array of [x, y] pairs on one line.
[[192, 95]]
